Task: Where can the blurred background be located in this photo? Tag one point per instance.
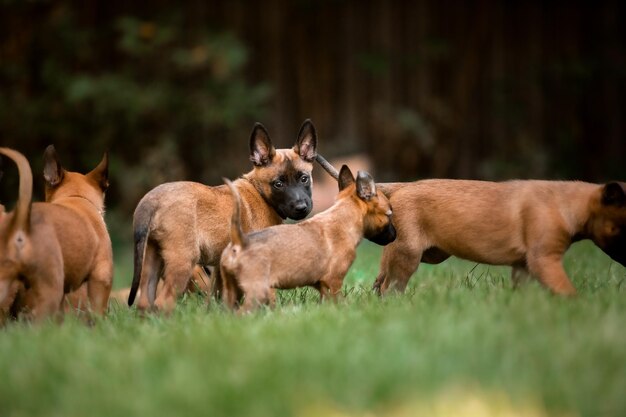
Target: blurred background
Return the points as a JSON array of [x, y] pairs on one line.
[[412, 89]]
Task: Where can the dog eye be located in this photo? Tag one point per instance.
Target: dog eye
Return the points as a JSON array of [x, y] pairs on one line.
[[278, 184], [304, 179]]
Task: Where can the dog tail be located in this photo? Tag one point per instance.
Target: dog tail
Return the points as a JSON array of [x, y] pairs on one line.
[[21, 219], [141, 227], [327, 166], [237, 237]]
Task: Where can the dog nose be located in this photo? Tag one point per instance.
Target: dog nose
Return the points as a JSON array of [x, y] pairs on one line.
[[300, 207]]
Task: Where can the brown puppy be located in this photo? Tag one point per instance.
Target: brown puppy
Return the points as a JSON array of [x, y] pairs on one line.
[[526, 224], [181, 224], [47, 249], [316, 252]]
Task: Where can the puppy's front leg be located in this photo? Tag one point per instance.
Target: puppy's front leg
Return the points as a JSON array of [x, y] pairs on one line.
[[549, 270], [330, 288]]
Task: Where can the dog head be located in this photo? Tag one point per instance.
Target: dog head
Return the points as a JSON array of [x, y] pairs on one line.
[[377, 224], [283, 176], [608, 224], [61, 183]]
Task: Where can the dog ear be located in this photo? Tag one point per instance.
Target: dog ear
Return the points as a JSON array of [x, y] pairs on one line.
[[306, 144], [346, 178], [100, 174], [613, 194], [53, 172], [261, 149], [365, 185]]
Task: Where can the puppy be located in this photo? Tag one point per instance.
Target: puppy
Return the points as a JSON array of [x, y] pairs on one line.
[[525, 224], [179, 225], [48, 249], [316, 252]]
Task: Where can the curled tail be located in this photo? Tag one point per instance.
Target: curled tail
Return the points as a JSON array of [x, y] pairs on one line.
[[237, 237], [327, 166], [141, 227], [21, 219]]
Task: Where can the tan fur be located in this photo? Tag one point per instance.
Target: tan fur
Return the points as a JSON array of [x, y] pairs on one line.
[[187, 223], [316, 252], [525, 224], [63, 244]]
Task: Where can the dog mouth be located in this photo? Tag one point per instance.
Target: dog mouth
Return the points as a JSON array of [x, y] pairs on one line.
[[385, 237]]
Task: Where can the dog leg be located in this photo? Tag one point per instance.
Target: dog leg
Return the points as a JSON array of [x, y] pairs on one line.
[[150, 274], [549, 270], [176, 275], [218, 288], [45, 299], [77, 300], [99, 286], [520, 276], [330, 289], [397, 264]]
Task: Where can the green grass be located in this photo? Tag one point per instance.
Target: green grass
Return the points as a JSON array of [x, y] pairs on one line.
[[460, 337]]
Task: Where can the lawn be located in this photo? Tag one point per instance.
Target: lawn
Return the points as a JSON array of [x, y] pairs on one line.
[[459, 342]]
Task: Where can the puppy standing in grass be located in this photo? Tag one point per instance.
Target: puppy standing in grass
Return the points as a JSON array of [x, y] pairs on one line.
[[525, 224], [316, 252], [48, 249], [179, 225]]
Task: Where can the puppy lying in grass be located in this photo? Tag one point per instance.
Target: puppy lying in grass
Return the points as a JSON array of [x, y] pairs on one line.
[[316, 252]]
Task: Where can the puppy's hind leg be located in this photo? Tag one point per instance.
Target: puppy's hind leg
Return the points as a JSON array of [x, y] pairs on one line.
[[44, 299], [99, 285], [177, 271], [398, 263], [150, 275]]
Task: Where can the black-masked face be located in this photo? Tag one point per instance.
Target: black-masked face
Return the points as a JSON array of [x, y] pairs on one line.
[[290, 194], [283, 176]]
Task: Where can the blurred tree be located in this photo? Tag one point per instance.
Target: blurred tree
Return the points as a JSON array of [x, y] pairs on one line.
[[477, 89], [162, 97]]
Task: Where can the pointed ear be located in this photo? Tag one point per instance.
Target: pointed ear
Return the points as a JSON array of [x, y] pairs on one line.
[[261, 149], [53, 172], [613, 194], [346, 178], [365, 186], [101, 173], [306, 144]]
